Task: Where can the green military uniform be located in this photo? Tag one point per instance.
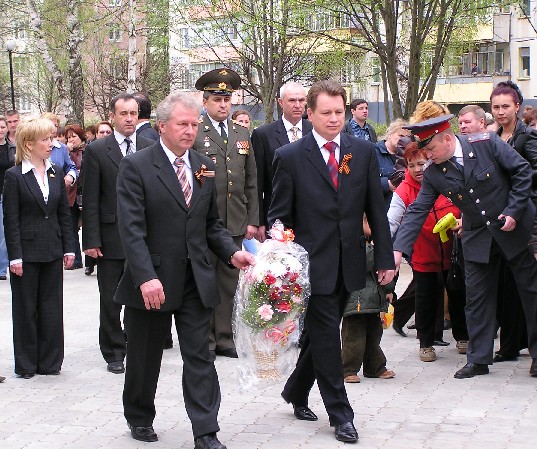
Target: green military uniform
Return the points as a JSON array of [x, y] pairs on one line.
[[236, 191]]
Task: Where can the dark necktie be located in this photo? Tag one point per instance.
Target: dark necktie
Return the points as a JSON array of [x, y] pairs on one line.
[[223, 131], [130, 148], [458, 166], [332, 163], [183, 180]]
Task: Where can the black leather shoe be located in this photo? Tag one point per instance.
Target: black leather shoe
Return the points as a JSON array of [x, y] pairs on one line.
[[208, 442], [400, 331], [49, 373], [3, 277], [304, 413], [146, 434], [88, 271], [440, 343], [471, 370], [347, 433], [230, 352], [116, 367], [504, 358], [2, 378], [411, 326], [533, 368], [26, 375]]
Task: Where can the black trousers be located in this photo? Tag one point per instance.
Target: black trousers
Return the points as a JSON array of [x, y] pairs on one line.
[[360, 344], [320, 357], [147, 331], [111, 338], [38, 317], [405, 306], [510, 314], [481, 301], [75, 216]]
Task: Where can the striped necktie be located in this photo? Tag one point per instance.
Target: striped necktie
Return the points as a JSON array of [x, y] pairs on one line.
[[294, 136], [183, 180], [130, 148], [332, 163]]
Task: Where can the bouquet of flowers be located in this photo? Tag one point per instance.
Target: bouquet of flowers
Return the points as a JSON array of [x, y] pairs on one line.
[[270, 300]]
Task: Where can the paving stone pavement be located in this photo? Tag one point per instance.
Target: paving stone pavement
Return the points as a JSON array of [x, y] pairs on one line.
[[422, 407]]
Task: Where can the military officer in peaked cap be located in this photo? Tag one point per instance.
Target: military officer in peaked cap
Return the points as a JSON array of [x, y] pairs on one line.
[[491, 185], [228, 145]]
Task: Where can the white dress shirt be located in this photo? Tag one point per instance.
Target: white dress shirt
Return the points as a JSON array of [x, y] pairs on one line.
[[324, 152], [288, 126], [217, 125], [120, 138], [188, 168]]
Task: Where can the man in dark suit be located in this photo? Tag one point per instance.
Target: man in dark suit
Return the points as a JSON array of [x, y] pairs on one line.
[[491, 185], [229, 146], [100, 234], [357, 125], [169, 222], [144, 128], [323, 185], [267, 138]]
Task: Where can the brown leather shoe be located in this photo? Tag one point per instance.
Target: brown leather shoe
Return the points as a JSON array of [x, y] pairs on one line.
[[352, 379]]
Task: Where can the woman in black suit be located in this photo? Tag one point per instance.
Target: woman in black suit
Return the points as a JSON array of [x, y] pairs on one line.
[[39, 239]]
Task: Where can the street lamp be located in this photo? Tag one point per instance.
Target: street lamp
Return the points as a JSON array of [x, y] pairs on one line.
[[10, 46]]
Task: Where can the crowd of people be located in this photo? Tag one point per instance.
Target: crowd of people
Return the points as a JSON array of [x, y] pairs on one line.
[[164, 211]]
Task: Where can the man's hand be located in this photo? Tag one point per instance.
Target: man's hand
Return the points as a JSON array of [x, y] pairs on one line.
[[242, 259], [68, 261], [16, 269], [251, 231], [69, 180], [261, 234], [510, 222], [153, 294], [458, 227], [397, 257], [93, 252], [385, 276]]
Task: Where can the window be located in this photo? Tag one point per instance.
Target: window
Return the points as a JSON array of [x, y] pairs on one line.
[[114, 32], [184, 40], [114, 3], [525, 9], [23, 104], [524, 62]]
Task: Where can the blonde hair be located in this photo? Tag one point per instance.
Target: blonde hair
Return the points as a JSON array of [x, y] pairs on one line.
[[393, 128], [52, 117], [31, 131], [426, 110]]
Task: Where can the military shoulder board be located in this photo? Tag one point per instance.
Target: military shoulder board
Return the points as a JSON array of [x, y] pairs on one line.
[[478, 137]]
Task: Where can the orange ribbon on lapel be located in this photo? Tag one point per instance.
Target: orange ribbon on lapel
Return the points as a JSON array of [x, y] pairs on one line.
[[203, 172], [344, 167]]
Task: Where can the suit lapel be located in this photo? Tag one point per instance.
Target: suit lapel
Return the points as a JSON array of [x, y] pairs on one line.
[[213, 134], [114, 152], [31, 182], [316, 158], [195, 163], [166, 174], [53, 186], [281, 135], [345, 148], [469, 159]]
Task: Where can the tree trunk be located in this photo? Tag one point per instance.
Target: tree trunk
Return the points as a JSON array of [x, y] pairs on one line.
[[131, 75], [74, 68]]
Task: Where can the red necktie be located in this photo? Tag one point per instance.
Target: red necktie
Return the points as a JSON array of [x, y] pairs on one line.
[[332, 163]]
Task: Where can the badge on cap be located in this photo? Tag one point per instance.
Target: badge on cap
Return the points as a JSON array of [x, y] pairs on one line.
[[426, 130]]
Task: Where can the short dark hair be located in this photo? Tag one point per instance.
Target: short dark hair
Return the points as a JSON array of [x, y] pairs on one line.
[[11, 112], [91, 129], [529, 116], [122, 96], [357, 101], [145, 105], [329, 87], [78, 130], [240, 112]]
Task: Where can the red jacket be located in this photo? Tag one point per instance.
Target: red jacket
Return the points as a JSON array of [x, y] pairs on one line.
[[430, 254]]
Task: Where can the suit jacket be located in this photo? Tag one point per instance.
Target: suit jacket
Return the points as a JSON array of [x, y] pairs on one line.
[[266, 140], [347, 129], [99, 208], [495, 180], [236, 174], [161, 234], [36, 231], [326, 222], [148, 132]]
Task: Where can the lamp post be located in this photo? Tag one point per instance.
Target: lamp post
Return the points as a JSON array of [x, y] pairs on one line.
[[10, 46]]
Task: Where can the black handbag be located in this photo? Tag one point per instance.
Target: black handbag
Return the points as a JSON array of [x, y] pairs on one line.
[[455, 277]]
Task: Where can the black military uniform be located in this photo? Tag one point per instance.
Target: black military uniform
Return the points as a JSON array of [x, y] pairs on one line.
[[487, 180]]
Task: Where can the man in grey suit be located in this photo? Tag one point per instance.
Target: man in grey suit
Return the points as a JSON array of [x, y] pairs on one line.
[[100, 233], [269, 137], [228, 145], [169, 223], [491, 185]]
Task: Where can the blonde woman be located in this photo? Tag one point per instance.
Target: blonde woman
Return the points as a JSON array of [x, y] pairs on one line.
[[39, 241]]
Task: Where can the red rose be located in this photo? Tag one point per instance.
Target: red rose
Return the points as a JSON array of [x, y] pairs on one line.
[[293, 276], [270, 279], [283, 307]]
